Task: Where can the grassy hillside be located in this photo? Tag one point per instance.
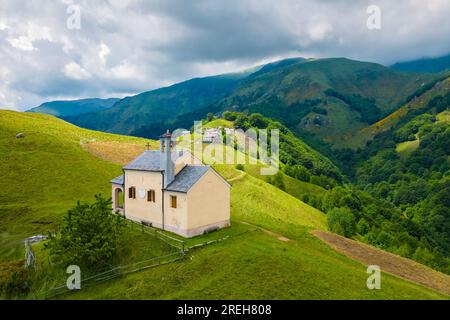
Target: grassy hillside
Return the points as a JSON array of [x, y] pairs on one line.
[[156, 110], [269, 253], [74, 107], [44, 173], [329, 98], [417, 103], [299, 96]]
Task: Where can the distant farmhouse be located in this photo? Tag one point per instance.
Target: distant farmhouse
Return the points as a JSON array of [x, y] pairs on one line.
[[172, 190], [212, 135]]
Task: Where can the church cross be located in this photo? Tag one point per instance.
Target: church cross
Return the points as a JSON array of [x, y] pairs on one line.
[[148, 146]]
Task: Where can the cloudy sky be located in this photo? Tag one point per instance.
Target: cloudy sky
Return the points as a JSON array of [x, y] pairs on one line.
[[123, 47]]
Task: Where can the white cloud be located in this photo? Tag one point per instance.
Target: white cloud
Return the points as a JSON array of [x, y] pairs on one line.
[[318, 30], [74, 71], [33, 33], [130, 46], [22, 43], [125, 71], [103, 53]]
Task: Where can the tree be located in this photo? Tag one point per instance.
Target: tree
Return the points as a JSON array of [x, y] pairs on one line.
[[229, 115], [257, 120], [88, 235], [298, 172], [242, 122], [341, 221], [210, 116]]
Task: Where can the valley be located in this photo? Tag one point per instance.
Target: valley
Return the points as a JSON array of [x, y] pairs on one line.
[[287, 262]]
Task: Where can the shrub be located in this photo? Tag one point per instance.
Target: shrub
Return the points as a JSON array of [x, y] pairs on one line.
[[341, 221], [13, 278], [277, 180], [88, 235], [298, 172], [362, 227]]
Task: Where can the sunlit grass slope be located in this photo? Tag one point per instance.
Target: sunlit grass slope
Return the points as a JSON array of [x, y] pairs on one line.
[[45, 173], [269, 252]]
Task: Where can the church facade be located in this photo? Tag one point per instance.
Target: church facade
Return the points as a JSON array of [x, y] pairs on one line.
[[172, 190]]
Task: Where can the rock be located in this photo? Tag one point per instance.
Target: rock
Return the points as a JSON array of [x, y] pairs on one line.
[[20, 135]]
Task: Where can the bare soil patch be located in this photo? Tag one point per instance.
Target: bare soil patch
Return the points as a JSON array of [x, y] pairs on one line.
[[118, 152], [388, 262]]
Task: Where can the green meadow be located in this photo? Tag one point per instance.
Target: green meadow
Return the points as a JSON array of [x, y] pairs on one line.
[[267, 253]]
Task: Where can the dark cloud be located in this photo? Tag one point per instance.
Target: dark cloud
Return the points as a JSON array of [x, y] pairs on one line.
[[129, 46]]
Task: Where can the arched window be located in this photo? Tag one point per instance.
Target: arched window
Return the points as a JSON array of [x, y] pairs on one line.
[[118, 199]]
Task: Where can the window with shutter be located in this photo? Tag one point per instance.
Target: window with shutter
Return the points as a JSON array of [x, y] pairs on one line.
[[173, 201], [132, 193], [151, 196]]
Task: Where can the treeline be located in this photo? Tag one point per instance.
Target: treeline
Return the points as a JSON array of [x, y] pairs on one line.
[[299, 160], [366, 107], [414, 182]]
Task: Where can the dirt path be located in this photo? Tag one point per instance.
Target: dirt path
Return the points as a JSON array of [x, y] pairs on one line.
[[240, 176], [271, 233], [388, 262]]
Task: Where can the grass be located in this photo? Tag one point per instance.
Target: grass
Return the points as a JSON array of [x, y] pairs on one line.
[[404, 148], [134, 246], [265, 205], [255, 265], [269, 252], [215, 123], [293, 186], [444, 116], [45, 173]]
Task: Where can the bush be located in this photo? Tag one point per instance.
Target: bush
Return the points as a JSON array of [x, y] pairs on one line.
[[362, 227], [257, 120], [210, 116], [384, 240], [277, 180], [298, 172], [230, 116], [323, 181], [341, 221], [240, 167], [13, 278], [88, 235]]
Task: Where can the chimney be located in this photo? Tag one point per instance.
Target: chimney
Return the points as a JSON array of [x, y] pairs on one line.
[[166, 146]]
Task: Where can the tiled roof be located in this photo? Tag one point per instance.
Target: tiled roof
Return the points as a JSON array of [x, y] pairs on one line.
[[150, 160], [118, 180], [186, 178]]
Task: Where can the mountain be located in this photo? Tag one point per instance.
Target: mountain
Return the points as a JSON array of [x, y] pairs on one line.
[[416, 103], [329, 99], [67, 108], [160, 108], [424, 65], [268, 247]]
